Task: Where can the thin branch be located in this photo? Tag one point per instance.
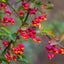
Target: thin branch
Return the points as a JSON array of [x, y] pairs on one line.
[[26, 18], [48, 37], [2, 13], [13, 9], [61, 45]]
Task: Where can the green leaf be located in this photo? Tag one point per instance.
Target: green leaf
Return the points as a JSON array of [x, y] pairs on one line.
[[49, 6], [0, 17], [4, 59], [20, 56], [13, 36], [6, 30], [51, 33], [45, 30], [1, 24], [23, 58], [49, 2], [3, 34], [6, 0], [20, 8], [61, 36], [16, 25], [41, 34], [38, 4], [3, 1]]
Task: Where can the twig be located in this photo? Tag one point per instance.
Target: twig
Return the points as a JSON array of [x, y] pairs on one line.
[[26, 18], [61, 45], [48, 37]]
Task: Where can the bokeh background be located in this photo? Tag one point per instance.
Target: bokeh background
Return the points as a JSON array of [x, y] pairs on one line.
[[34, 52]]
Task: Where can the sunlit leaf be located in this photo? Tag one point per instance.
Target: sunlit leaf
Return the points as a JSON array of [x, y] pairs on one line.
[[39, 26], [45, 30], [5, 60], [1, 24], [20, 57], [53, 42], [49, 6], [6, 30], [51, 33], [3, 34], [62, 37], [3, 0]]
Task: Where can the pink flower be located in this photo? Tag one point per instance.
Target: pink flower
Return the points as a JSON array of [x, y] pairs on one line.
[[12, 20], [6, 24], [48, 48], [19, 30], [19, 49], [21, 12], [34, 31], [7, 11], [42, 6], [50, 56], [6, 43], [3, 6], [0, 48], [14, 58], [21, 45], [17, 37], [29, 33], [25, 5], [7, 20]]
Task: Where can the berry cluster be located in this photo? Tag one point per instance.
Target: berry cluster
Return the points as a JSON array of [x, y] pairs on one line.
[[39, 19], [6, 43], [21, 12], [29, 33], [7, 20], [25, 5], [19, 49], [53, 49], [50, 56], [10, 57], [61, 51], [3, 6], [33, 11], [8, 12]]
